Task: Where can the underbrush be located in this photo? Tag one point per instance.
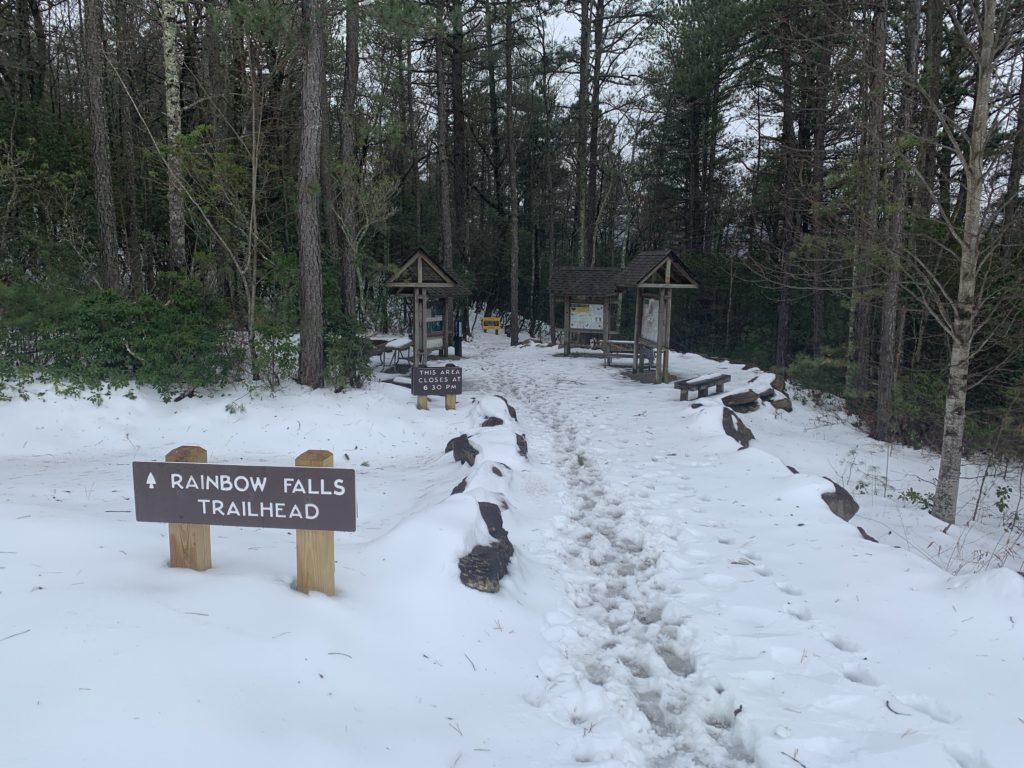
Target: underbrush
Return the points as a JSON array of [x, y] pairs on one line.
[[178, 341]]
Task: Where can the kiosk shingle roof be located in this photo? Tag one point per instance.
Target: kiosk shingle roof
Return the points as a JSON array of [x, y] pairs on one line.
[[584, 281], [641, 266]]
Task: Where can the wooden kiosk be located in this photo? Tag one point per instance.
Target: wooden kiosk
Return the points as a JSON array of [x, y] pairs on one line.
[[432, 291], [653, 275], [588, 295]]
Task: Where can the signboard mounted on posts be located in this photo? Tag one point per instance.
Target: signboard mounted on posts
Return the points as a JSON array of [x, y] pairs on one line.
[[310, 498]]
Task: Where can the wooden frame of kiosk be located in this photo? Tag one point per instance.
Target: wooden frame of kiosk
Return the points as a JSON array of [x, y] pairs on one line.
[[653, 276], [432, 290]]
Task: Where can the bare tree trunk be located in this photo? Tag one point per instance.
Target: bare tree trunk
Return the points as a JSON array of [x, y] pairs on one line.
[[348, 153], [590, 206], [788, 225], [460, 255], [581, 134], [109, 267], [513, 185], [443, 169], [889, 341], [311, 313], [172, 102], [966, 305]]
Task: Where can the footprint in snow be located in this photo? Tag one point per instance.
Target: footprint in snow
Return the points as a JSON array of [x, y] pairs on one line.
[[801, 612], [789, 589], [934, 709], [858, 673], [840, 642], [762, 570]]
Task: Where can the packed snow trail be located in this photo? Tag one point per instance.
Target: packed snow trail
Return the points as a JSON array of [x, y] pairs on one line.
[[682, 645], [631, 685]]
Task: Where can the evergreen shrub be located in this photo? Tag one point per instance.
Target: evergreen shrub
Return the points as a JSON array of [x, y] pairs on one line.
[[104, 339], [347, 352]]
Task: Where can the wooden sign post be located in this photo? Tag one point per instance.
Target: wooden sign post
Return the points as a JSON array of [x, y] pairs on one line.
[[446, 380], [190, 542], [314, 550], [312, 498]]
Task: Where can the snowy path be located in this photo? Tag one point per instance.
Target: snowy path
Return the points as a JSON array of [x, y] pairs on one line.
[[681, 643], [630, 684]]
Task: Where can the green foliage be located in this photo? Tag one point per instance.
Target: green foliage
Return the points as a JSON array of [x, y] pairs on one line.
[[347, 351], [276, 357], [825, 373], [922, 500], [920, 397], [103, 340]]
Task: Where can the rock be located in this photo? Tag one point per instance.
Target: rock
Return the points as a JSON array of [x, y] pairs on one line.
[[783, 404], [743, 402], [484, 567], [865, 535], [462, 450], [766, 394], [791, 469], [521, 445], [491, 513], [840, 501], [497, 471], [736, 429], [492, 421], [460, 487], [511, 410], [779, 382]]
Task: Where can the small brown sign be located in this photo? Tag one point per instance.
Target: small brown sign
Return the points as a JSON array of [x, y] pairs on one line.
[[308, 498], [446, 380]]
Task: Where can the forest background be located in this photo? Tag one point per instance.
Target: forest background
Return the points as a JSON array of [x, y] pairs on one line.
[[188, 187]]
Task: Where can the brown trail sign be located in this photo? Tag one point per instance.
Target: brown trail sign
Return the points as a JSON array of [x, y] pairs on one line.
[[443, 380], [312, 498], [308, 498]]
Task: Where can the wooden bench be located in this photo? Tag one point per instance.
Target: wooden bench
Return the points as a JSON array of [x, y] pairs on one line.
[[702, 385]]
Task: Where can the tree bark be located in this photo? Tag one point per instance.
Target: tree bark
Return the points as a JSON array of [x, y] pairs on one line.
[[460, 255], [594, 119], [443, 169], [966, 305], [889, 340], [172, 103], [311, 318], [582, 133], [513, 186], [348, 154], [109, 267]]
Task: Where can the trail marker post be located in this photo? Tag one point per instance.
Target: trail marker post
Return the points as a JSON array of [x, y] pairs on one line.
[[314, 550], [313, 498], [190, 542]]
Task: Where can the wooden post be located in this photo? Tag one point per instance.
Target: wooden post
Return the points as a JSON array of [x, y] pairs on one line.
[[421, 403], [668, 332], [606, 332], [449, 402], [566, 322], [314, 550], [638, 319], [190, 543]]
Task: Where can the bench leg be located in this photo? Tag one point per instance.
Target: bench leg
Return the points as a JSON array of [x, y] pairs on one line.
[[720, 388], [702, 392]]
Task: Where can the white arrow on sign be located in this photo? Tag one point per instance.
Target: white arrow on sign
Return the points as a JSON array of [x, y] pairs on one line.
[[151, 481]]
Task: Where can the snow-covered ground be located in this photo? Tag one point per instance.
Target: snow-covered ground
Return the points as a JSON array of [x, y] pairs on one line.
[[672, 601]]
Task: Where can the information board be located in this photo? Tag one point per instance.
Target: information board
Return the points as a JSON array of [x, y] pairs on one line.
[[311, 498], [440, 380], [586, 317], [649, 324]]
